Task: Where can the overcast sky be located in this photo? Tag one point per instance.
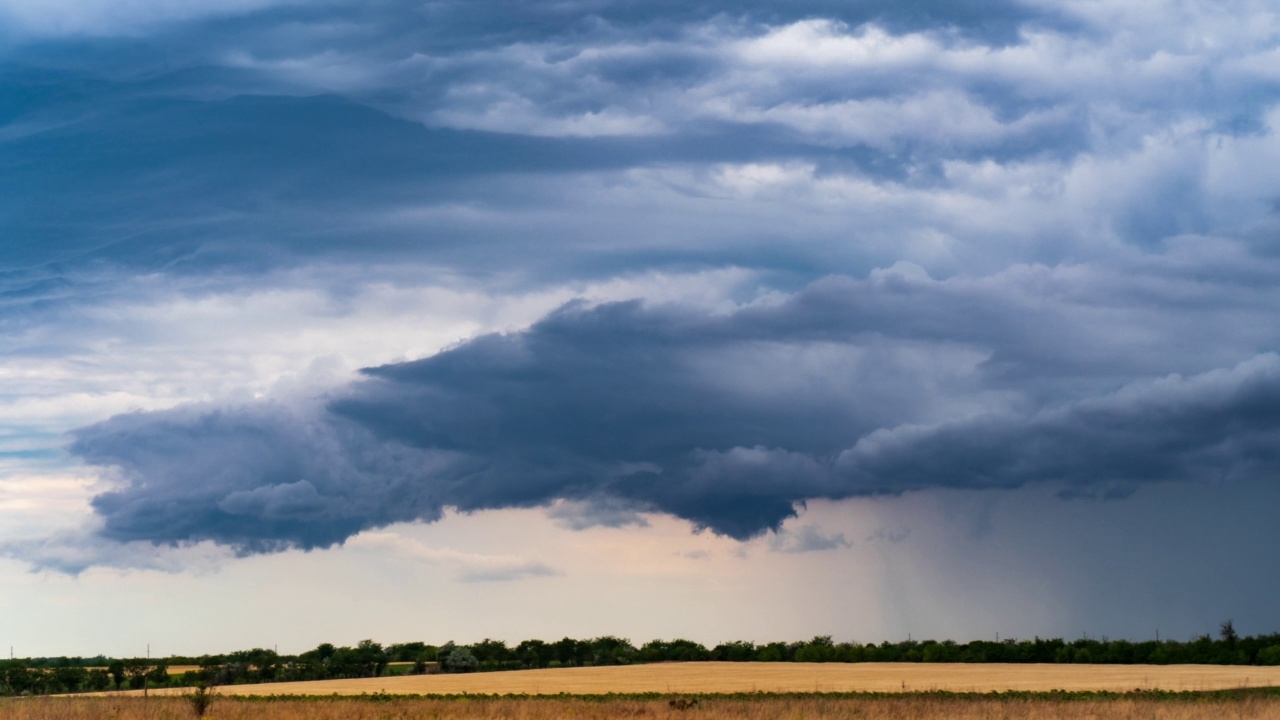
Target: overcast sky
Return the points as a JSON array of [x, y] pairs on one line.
[[757, 320]]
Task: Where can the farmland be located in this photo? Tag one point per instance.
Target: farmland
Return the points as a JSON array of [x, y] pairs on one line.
[[721, 690], [724, 677], [910, 706]]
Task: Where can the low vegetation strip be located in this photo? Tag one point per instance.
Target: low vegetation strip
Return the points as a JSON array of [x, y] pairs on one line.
[[725, 677], [911, 705], [369, 659]]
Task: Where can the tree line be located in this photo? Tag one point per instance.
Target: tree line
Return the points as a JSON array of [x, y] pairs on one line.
[[37, 676]]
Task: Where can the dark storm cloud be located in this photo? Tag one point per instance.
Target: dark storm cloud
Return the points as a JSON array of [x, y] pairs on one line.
[[187, 186], [262, 135], [256, 477], [400, 26], [179, 184], [849, 388], [206, 146], [1220, 426], [597, 512]]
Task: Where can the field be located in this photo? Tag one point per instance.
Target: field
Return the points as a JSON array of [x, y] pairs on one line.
[[706, 691], [713, 677], [885, 707]]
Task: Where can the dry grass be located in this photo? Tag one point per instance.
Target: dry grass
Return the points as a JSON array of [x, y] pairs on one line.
[[905, 707], [711, 677]]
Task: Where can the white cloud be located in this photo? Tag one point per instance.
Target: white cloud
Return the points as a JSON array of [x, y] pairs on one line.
[[829, 44], [942, 118], [468, 566]]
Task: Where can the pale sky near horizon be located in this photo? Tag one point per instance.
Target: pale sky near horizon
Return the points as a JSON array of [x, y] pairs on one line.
[[323, 321]]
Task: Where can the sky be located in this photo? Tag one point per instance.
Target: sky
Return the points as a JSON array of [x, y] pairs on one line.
[[451, 320]]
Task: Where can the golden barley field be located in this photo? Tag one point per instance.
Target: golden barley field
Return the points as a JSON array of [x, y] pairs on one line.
[[724, 677], [901, 707]]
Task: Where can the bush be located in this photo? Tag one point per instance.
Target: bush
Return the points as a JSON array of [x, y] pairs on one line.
[[201, 698], [461, 660]]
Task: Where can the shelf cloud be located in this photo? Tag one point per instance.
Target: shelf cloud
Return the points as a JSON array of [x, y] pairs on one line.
[[731, 421]]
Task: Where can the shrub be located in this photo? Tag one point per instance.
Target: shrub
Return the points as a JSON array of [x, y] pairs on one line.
[[201, 698], [1269, 655]]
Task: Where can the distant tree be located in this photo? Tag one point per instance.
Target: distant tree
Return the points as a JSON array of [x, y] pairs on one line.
[[849, 652], [461, 660], [610, 650], [70, 678], [371, 658], [138, 672], [407, 652], [492, 654], [1118, 652], [323, 651], [1227, 631], [773, 652], [535, 653], [158, 673], [819, 649], [98, 680], [268, 664], [443, 652], [116, 668], [21, 680], [678, 650], [572, 652], [1201, 650], [736, 651], [345, 662], [945, 651]]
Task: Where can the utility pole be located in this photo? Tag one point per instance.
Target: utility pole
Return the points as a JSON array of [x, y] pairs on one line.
[[146, 679]]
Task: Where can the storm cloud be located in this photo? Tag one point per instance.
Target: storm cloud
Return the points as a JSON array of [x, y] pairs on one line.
[[501, 137], [848, 388], [274, 275]]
